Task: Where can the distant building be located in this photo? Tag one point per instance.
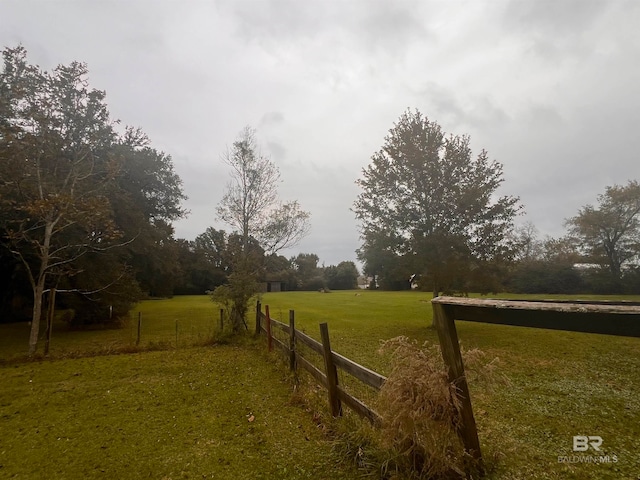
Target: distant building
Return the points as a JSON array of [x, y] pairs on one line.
[[274, 286]]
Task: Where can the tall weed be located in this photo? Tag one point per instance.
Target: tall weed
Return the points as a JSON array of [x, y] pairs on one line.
[[420, 410]]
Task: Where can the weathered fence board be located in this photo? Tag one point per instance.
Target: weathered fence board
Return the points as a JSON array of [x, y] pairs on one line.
[[609, 318], [312, 369], [359, 407], [366, 376], [268, 325], [292, 342], [332, 361], [450, 349], [312, 343], [331, 372]]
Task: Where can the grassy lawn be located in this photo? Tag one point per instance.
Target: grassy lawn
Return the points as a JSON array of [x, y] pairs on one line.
[[182, 321], [217, 412], [562, 384]]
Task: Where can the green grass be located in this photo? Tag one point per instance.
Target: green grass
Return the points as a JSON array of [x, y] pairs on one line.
[[562, 384], [166, 415], [197, 320]]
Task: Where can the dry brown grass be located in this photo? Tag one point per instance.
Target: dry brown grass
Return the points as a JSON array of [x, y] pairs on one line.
[[421, 410]]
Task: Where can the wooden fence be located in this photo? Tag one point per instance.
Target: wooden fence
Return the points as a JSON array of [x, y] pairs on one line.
[[610, 318], [332, 361]]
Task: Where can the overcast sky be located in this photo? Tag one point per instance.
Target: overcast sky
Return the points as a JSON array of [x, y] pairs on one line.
[[551, 89]]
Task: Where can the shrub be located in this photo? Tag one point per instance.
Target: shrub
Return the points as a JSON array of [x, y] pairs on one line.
[[234, 297]]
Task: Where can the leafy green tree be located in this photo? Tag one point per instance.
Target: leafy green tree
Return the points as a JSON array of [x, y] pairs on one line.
[[72, 189], [212, 246], [246, 270], [280, 268], [425, 199], [609, 235], [308, 274], [203, 262], [388, 267], [544, 266], [56, 168], [343, 276], [146, 197]]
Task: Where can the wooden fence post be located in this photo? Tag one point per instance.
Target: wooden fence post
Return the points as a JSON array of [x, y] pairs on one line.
[[258, 315], [450, 348], [269, 338], [292, 341], [139, 324], [221, 319], [332, 372]]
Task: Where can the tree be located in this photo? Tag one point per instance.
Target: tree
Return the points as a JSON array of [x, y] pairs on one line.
[[203, 262], [250, 204], [529, 247], [56, 168], [610, 234], [344, 276], [72, 189], [308, 274], [426, 200], [545, 266], [146, 197], [264, 224], [212, 246]]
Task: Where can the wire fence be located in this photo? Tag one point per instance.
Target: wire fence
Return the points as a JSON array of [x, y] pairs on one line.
[[168, 329], [139, 331]]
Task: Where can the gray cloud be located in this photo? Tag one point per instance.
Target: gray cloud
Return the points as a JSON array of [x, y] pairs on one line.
[[277, 151], [549, 88], [271, 118], [555, 18]]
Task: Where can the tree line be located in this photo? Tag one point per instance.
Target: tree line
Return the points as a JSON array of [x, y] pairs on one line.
[[429, 211], [206, 263], [87, 210]]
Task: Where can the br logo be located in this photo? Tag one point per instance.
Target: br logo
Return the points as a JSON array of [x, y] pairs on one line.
[[581, 443]]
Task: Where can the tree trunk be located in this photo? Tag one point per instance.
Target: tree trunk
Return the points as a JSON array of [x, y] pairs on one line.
[[38, 287], [37, 313]]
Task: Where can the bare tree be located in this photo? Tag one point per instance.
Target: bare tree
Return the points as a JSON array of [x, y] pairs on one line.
[[251, 206], [529, 247]]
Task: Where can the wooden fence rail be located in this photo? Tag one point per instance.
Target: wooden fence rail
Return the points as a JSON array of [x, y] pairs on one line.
[[611, 318], [332, 361]]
